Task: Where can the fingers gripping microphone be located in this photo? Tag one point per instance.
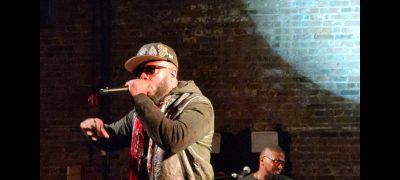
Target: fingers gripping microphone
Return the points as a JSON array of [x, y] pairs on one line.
[[246, 170], [107, 90]]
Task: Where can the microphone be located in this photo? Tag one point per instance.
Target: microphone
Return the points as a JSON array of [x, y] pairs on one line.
[[232, 176], [107, 90], [246, 171]]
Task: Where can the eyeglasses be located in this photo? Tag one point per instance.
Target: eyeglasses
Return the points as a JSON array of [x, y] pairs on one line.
[[276, 161], [149, 70]]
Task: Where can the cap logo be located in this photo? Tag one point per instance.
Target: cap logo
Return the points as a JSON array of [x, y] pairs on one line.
[[142, 52], [153, 51], [160, 51]]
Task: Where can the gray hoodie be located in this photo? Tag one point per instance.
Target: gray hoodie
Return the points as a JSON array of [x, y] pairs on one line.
[[182, 134]]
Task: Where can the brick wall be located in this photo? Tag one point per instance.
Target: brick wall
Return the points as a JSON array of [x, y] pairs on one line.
[[262, 63]]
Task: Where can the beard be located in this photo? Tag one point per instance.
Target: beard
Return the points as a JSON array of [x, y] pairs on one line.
[[161, 91]]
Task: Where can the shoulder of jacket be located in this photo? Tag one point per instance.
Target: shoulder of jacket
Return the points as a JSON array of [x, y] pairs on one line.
[[195, 97]]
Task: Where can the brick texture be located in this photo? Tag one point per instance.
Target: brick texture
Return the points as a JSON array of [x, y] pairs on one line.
[[263, 64]]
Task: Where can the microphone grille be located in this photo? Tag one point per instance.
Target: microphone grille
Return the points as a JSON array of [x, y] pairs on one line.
[[234, 175], [246, 169]]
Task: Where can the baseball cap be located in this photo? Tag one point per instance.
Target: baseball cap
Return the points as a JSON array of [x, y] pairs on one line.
[[152, 51]]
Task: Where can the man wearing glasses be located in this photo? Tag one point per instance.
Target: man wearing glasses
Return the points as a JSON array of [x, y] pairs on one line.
[[271, 164], [170, 128]]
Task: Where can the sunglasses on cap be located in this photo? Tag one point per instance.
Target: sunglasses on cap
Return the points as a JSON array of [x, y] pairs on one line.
[[148, 70], [276, 161]]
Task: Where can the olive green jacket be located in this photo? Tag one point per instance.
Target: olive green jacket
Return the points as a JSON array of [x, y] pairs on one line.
[[182, 134]]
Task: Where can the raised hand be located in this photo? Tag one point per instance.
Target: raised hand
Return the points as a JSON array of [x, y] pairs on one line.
[[94, 128]]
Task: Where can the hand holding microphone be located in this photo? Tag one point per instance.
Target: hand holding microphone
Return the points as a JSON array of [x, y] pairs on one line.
[[134, 86], [138, 86]]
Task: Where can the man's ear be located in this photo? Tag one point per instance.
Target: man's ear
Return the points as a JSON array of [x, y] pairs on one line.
[[173, 73]]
